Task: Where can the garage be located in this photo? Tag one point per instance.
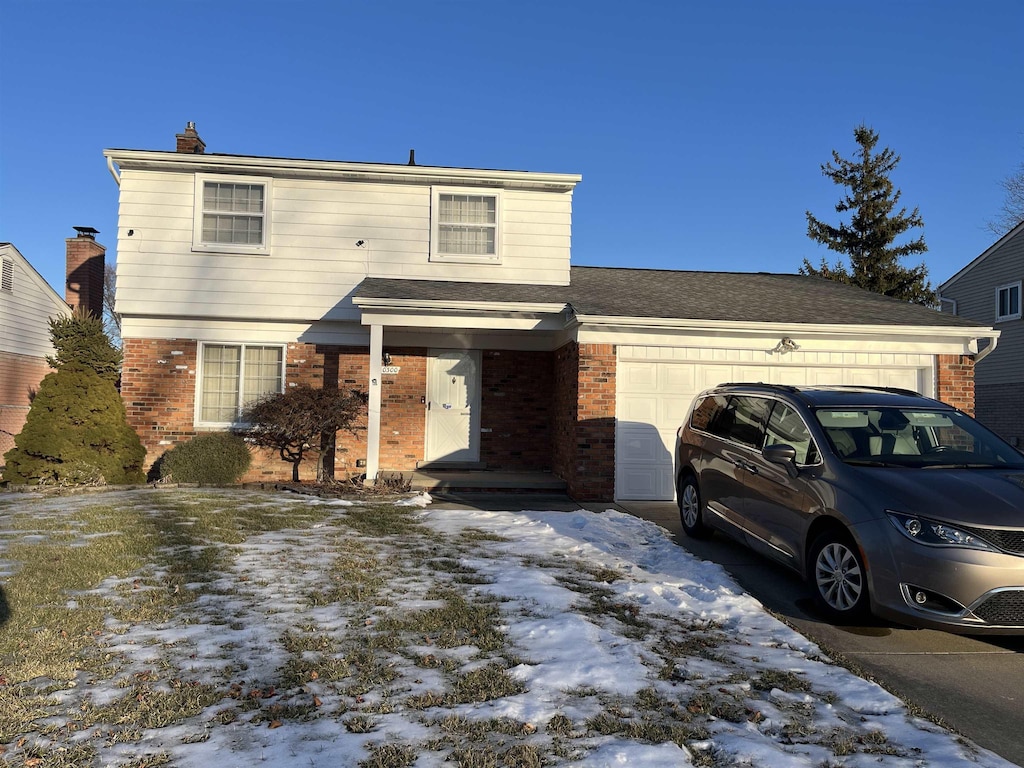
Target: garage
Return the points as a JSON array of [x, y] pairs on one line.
[[655, 386]]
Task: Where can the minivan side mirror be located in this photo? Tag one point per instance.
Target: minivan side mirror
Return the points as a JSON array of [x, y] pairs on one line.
[[782, 454]]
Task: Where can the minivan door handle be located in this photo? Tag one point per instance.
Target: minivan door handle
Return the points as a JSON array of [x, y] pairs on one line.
[[745, 465]]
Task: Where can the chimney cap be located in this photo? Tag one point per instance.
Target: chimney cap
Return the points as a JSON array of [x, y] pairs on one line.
[[86, 231]]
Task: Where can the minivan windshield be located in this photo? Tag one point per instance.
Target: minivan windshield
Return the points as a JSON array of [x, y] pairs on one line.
[[914, 437]]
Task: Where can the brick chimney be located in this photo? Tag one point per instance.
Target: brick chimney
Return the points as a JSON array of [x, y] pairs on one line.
[[189, 141], [85, 263]]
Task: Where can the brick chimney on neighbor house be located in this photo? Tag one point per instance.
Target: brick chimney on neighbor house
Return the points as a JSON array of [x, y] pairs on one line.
[[189, 141], [85, 263]]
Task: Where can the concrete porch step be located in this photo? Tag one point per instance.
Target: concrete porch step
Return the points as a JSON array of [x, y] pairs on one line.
[[435, 481]]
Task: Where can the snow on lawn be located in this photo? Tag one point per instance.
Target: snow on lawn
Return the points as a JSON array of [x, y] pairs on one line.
[[595, 641]]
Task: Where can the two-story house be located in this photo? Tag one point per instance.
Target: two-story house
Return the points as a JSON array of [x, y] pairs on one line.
[[448, 295], [988, 290], [27, 303]]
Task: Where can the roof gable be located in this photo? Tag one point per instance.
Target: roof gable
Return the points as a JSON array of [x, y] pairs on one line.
[[9, 251], [996, 246]]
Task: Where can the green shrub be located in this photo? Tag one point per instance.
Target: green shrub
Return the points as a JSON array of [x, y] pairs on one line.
[[76, 433], [213, 458]]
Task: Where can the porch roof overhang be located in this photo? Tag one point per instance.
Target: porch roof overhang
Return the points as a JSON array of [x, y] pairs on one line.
[[472, 315], [607, 302]]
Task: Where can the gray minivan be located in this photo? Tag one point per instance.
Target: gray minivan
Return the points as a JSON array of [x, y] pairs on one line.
[[885, 500]]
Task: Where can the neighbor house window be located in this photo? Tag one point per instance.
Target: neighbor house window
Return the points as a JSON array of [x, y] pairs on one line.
[[231, 213], [234, 375], [465, 225], [1008, 302]]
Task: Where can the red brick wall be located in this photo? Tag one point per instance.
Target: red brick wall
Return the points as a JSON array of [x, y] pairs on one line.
[[160, 401], [565, 407], [584, 421], [516, 408], [159, 389], [955, 381], [84, 260], [19, 382], [403, 414]]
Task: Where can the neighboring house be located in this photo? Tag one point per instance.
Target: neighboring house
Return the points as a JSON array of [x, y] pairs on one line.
[[989, 291], [447, 294], [27, 303]]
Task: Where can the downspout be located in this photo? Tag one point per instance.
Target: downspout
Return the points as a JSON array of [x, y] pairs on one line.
[[113, 170], [987, 350]]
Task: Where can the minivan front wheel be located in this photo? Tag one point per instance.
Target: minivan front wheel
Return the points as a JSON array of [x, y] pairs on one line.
[[691, 514], [838, 576]]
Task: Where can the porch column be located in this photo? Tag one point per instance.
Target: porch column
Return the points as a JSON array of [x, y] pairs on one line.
[[373, 414]]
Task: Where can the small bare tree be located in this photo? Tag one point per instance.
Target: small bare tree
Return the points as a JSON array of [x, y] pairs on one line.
[[303, 420], [1011, 214], [111, 320]]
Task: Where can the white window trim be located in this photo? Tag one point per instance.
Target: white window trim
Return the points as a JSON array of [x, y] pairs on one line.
[[197, 214], [465, 258], [1020, 301], [200, 356]]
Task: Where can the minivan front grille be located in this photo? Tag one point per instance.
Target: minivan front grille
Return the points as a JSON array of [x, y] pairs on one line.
[[1008, 541], [1004, 608]]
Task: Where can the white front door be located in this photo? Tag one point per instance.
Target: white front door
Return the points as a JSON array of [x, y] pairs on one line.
[[453, 405]]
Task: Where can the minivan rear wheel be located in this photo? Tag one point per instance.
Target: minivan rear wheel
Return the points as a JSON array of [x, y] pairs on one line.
[[691, 513], [838, 576]]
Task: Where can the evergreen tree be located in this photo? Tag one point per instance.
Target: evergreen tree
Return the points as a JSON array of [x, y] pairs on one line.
[[80, 339], [76, 431], [868, 241]]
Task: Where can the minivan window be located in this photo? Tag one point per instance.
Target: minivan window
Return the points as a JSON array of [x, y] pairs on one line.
[[741, 420], [706, 411], [911, 437], [785, 427]]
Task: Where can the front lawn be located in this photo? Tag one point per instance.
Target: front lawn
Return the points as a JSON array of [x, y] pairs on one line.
[[223, 627]]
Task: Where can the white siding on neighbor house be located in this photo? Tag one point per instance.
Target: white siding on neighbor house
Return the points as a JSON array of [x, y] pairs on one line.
[[26, 310], [314, 263], [656, 385], [975, 296]]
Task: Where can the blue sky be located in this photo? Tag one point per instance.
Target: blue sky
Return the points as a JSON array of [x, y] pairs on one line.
[[699, 128]]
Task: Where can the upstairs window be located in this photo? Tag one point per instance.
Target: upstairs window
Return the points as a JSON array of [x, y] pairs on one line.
[[465, 226], [1008, 302], [234, 375], [231, 214]]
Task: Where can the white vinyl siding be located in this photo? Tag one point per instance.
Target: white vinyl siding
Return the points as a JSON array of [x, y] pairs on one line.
[[976, 293], [466, 226], [230, 214], [26, 307], [1008, 302], [313, 262], [234, 375]]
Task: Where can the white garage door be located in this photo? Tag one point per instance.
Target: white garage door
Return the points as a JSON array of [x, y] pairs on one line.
[[653, 397]]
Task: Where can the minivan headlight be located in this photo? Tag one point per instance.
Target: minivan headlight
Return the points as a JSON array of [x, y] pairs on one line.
[[936, 534]]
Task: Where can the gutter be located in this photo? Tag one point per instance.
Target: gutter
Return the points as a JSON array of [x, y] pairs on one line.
[[345, 171], [113, 170], [994, 341], [775, 327]]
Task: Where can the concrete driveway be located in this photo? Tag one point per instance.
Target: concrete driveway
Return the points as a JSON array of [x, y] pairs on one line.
[[975, 685]]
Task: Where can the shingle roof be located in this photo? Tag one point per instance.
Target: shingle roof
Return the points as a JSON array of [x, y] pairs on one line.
[[673, 294]]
